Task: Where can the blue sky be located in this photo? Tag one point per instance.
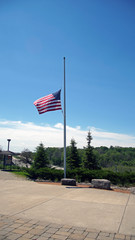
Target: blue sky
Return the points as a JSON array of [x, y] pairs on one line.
[[97, 37]]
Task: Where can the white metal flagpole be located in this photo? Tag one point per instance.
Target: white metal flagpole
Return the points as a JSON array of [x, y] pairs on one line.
[[64, 123]]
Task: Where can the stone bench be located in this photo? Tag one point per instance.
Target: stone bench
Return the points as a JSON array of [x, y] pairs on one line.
[[101, 183], [68, 181]]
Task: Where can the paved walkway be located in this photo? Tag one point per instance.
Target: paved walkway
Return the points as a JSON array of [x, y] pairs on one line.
[[29, 210], [13, 228]]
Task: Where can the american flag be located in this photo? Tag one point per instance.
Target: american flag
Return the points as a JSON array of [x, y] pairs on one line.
[[48, 103]]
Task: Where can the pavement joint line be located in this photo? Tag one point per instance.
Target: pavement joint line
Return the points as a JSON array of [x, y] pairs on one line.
[[123, 213], [37, 205], [30, 207], [26, 209]]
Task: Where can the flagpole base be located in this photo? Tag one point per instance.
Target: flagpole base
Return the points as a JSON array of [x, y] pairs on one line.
[[68, 181]]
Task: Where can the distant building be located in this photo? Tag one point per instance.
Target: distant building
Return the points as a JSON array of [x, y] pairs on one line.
[[7, 158]]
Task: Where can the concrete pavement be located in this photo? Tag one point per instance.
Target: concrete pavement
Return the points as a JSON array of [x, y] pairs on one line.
[[29, 210]]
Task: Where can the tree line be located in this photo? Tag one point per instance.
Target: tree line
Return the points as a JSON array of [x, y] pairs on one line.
[[83, 164], [89, 157], [42, 156], [106, 157], [116, 164]]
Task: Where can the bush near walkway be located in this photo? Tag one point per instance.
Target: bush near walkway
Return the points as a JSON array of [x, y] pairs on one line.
[[82, 175]]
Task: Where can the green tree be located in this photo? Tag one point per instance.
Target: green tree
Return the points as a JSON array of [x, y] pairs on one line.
[[73, 160], [40, 157], [54, 156], [89, 160]]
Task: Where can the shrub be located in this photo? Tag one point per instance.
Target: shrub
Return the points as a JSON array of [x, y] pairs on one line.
[[82, 175], [45, 173]]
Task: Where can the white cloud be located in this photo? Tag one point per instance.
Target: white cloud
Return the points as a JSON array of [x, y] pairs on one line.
[[59, 125], [29, 135]]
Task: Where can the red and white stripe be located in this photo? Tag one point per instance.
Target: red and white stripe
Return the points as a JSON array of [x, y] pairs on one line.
[[47, 103]]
